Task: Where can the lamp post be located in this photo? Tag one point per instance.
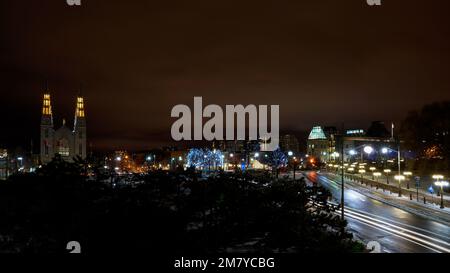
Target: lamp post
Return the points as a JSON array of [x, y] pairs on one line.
[[20, 168], [362, 172], [385, 150], [377, 174], [407, 175], [399, 178], [437, 177], [441, 184], [387, 171], [372, 169], [290, 154], [368, 150]]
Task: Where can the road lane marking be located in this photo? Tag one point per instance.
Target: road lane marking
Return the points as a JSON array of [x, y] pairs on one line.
[[397, 222], [401, 228], [396, 235], [403, 233]]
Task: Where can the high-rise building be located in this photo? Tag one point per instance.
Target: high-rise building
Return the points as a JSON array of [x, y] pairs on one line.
[[289, 143], [63, 141]]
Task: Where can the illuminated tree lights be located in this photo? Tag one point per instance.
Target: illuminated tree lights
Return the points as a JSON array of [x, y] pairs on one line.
[[275, 159], [205, 159]]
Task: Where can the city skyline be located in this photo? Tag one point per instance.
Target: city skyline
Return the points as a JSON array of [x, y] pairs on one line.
[[225, 134]]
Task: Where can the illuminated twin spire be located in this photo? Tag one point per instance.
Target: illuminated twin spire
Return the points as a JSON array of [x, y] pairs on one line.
[[47, 106], [79, 112]]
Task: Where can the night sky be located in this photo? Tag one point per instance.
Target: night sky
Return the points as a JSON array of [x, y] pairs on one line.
[[322, 61]]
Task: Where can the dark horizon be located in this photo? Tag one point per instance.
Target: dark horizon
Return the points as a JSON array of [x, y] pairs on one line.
[[324, 62]]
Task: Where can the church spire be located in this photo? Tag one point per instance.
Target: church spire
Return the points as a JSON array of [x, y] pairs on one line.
[[46, 105], [79, 112]]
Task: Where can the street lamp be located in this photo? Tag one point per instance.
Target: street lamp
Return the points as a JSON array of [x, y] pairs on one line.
[[362, 172], [368, 150], [335, 156], [442, 184], [385, 150], [438, 177], [376, 174], [400, 178], [387, 171], [372, 169], [407, 175]]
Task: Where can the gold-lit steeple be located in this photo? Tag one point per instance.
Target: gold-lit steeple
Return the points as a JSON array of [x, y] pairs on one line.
[[46, 105], [79, 112]]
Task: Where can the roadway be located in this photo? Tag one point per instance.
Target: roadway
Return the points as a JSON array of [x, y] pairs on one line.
[[397, 230]]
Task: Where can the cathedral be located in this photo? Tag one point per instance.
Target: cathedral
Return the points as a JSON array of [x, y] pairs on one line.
[[63, 141]]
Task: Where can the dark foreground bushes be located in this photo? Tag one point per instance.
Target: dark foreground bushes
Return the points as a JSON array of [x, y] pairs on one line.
[[166, 213]]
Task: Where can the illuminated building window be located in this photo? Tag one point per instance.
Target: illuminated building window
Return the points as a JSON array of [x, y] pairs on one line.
[[64, 151], [63, 147]]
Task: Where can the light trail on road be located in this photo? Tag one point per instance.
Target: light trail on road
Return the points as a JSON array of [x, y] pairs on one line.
[[395, 229], [412, 236]]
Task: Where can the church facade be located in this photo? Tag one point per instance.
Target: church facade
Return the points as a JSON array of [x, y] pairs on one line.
[[68, 143]]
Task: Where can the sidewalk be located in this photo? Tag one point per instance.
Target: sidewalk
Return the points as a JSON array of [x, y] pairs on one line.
[[389, 195]]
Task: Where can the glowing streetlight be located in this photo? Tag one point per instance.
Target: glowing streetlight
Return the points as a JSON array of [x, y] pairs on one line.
[[399, 178], [290, 153], [372, 169], [256, 155], [387, 172], [368, 149], [376, 174], [384, 150], [442, 184], [362, 172], [438, 177], [407, 175]]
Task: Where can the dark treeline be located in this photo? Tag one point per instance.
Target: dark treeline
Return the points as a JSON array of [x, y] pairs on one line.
[[166, 213], [427, 134]]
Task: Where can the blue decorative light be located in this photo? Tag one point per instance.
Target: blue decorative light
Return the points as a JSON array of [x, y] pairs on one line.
[[205, 158]]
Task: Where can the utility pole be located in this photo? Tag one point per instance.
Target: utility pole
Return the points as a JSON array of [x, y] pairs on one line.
[[399, 170], [342, 172]]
